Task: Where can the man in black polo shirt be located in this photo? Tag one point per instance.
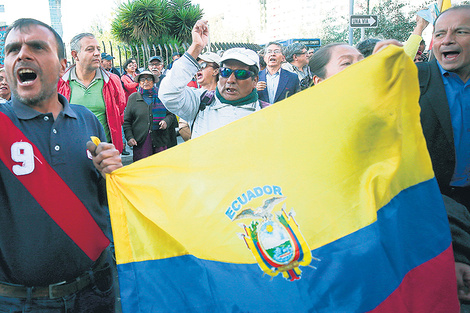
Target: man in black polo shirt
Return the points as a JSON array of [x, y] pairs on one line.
[[54, 224]]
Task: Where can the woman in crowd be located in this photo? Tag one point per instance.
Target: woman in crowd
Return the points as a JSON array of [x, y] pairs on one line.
[[146, 120], [130, 86], [5, 92], [207, 78], [333, 58]]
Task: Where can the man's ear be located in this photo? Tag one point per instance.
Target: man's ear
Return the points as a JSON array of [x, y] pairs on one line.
[[74, 55], [316, 80], [63, 67]]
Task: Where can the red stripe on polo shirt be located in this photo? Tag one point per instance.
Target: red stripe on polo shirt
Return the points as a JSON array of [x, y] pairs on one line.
[[49, 190]]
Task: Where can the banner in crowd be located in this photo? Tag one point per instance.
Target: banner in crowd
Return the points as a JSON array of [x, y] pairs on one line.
[[324, 202]]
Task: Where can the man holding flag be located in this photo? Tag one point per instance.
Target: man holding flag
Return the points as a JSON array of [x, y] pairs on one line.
[[54, 226]]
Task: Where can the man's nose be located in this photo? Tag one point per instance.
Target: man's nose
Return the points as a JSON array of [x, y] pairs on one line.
[[25, 53], [449, 38], [231, 78]]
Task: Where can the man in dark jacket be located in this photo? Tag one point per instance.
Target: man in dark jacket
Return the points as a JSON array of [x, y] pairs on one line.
[[445, 116]]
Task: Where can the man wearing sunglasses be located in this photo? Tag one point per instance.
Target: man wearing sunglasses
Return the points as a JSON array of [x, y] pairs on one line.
[[235, 94]]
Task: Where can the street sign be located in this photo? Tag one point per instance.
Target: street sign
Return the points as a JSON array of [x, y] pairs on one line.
[[365, 21]]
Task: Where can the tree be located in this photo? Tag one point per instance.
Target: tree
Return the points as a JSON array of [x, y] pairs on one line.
[[183, 16], [396, 21], [155, 21], [393, 22]]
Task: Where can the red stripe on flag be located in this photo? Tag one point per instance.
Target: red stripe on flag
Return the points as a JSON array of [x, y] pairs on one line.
[[430, 287], [53, 194]]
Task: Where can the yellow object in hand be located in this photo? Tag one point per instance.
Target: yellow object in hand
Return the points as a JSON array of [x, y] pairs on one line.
[[95, 140]]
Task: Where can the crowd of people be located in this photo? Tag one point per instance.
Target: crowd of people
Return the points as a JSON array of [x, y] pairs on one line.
[[50, 111]]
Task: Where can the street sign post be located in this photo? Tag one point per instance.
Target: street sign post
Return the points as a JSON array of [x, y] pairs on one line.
[[363, 21]]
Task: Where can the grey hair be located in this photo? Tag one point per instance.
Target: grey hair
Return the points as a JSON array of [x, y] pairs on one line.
[[276, 44], [295, 48], [75, 44]]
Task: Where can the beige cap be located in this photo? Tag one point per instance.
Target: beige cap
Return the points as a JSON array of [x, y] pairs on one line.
[[210, 57]]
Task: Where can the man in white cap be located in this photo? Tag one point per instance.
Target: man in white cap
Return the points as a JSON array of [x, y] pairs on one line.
[[235, 95]]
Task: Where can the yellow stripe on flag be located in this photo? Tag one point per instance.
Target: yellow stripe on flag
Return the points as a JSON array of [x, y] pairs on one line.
[[445, 5], [338, 152]]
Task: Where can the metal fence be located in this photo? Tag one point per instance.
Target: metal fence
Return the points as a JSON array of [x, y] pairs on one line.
[[141, 53]]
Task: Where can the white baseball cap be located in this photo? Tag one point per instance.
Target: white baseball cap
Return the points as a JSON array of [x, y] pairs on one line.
[[210, 57], [246, 56]]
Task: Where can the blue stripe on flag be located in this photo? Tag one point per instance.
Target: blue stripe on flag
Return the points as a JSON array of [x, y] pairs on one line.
[[355, 274]]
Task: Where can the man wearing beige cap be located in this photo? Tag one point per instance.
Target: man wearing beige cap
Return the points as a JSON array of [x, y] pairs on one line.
[[235, 95]]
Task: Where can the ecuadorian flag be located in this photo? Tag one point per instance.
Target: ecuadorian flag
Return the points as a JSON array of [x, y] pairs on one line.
[[324, 202]]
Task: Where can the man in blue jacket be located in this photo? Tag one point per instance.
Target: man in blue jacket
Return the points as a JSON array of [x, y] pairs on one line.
[[274, 83]]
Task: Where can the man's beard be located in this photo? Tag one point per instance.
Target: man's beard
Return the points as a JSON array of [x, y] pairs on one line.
[[37, 100]]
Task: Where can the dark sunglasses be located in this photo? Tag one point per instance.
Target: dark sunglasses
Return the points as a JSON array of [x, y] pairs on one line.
[[239, 74], [203, 65]]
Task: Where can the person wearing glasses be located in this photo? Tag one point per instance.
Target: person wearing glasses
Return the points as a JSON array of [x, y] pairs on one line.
[[146, 120], [235, 94], [155, 66], [276, 84], [297, 62], [206, 78]]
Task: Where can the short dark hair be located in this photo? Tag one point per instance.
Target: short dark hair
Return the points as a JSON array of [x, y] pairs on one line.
[[366, 47], [27, 22], [320, 59], [128, 61]]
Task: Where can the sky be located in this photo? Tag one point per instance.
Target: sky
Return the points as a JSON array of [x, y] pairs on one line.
[[77, 16]]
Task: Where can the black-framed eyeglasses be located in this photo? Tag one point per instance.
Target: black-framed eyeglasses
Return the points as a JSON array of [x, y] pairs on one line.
[[145, 78], [239, 74]]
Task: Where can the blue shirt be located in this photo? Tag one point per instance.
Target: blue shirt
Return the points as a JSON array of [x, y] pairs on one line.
[[458, 97], [272, 82], [35, 251]]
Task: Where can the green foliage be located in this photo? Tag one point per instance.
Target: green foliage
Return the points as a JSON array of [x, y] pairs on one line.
[[152, 21], [335, 29], [184, 16], [394, 23]]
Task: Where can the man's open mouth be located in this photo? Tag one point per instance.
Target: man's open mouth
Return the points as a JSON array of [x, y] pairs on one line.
[[26, 76], [450, 55]]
